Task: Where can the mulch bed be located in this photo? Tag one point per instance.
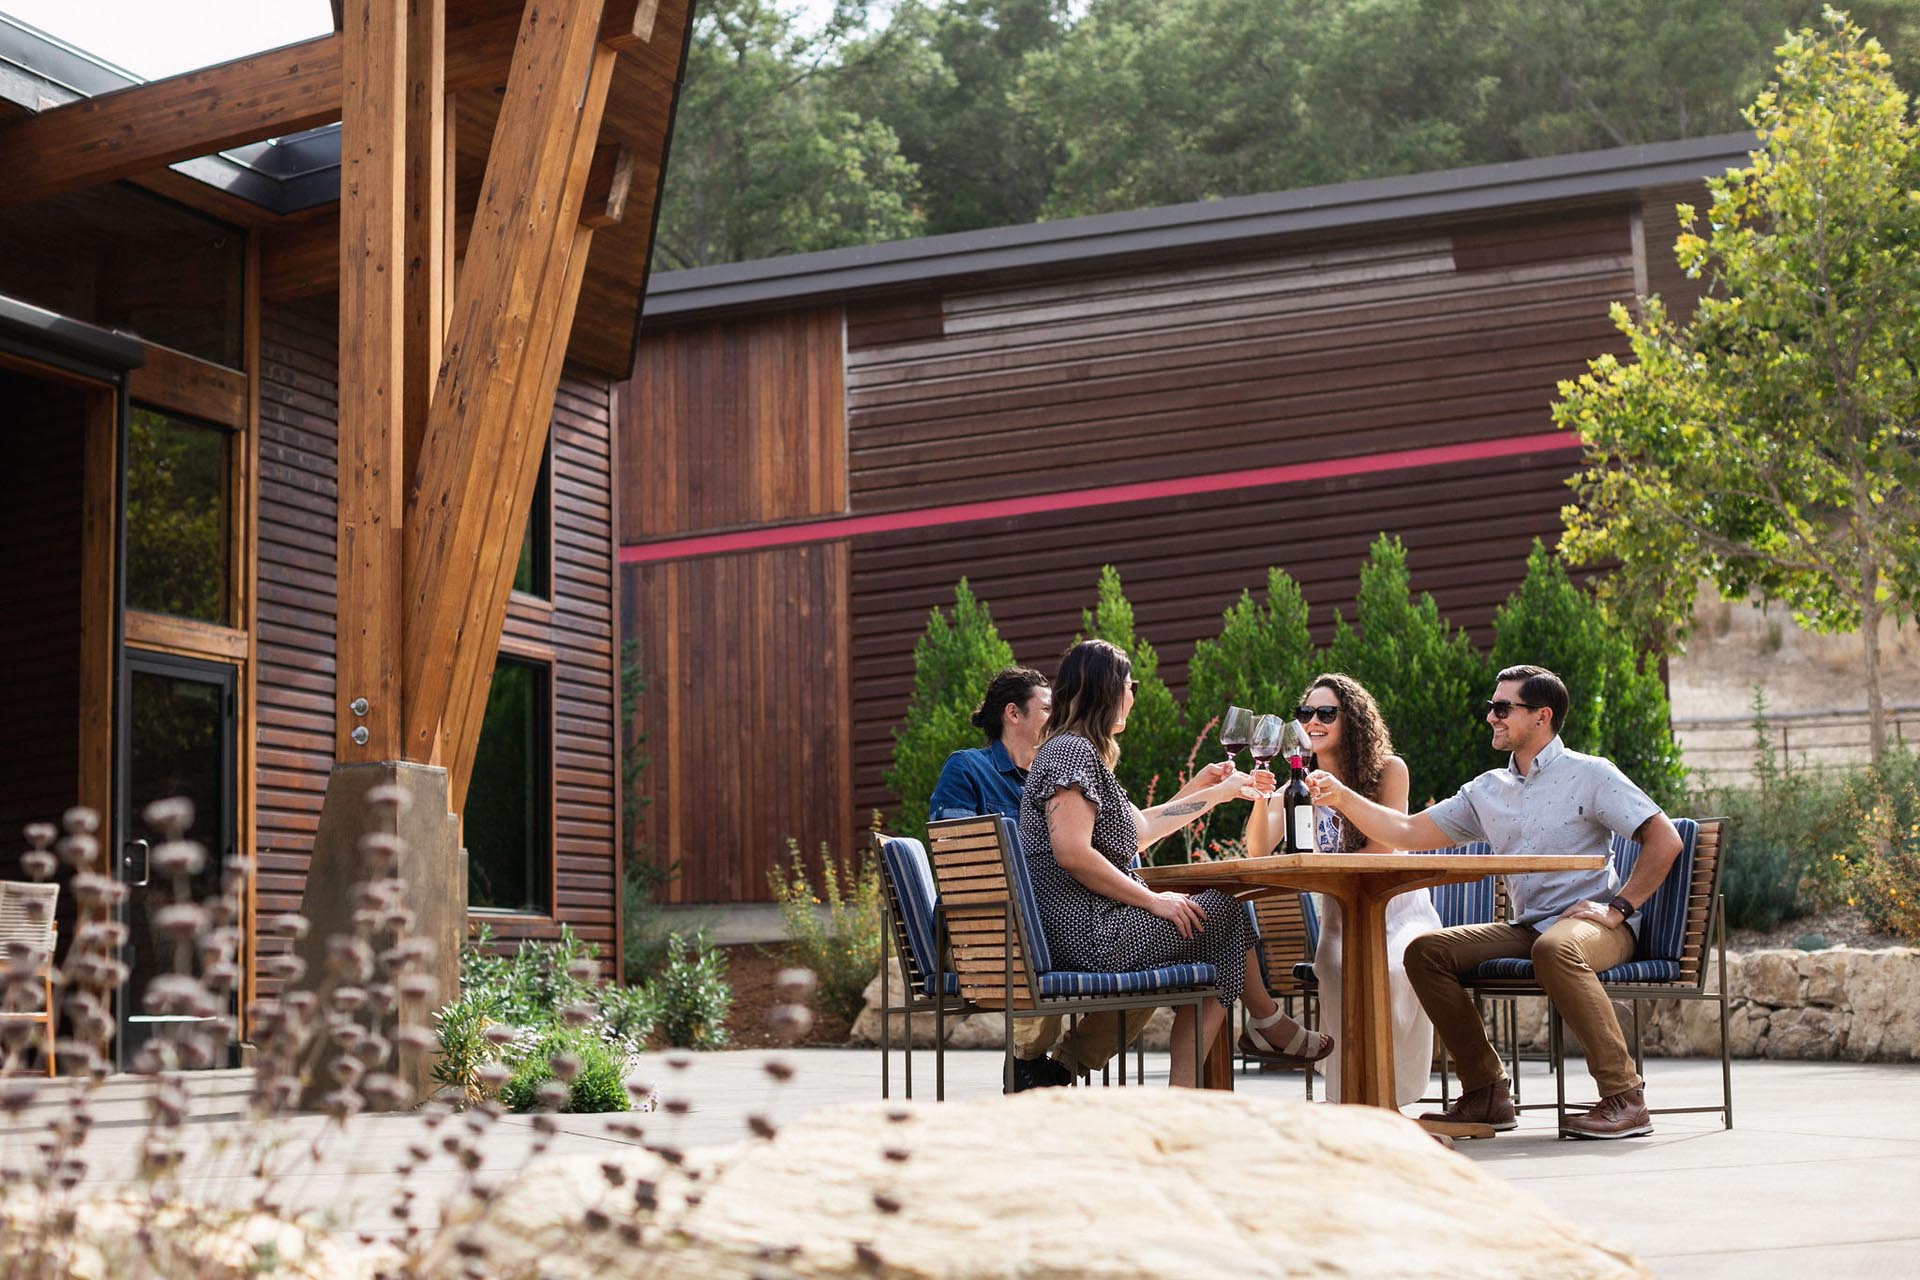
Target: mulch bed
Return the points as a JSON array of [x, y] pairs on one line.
[[751, 971]]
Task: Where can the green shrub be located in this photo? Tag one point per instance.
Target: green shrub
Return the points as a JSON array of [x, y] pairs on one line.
[[463, 1047], [1618, 706], [1426, 676], [532, 985], [1785, 830], [952, 662], [599, 1086], [1156, 737], [690, 996], [627, 1016], [1883, 803], [842, 944]]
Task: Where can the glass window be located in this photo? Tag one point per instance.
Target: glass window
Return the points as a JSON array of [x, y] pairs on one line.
[[531, 576], [508, 852], [177, 513]]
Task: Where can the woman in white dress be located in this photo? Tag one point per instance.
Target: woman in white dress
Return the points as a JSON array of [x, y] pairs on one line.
[[1350, 741]]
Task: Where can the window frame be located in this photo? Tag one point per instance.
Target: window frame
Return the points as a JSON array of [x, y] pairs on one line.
[[541, 661]]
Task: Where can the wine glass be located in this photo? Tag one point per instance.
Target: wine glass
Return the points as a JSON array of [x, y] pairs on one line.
[[1235, 728], [1294, 742], [1265, 741]]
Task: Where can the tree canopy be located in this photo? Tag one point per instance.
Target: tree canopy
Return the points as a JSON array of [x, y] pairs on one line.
[[1772, 442], [922, 117]]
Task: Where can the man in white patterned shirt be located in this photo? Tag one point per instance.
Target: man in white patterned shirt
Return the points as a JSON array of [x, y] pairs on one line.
[[1573, 925]]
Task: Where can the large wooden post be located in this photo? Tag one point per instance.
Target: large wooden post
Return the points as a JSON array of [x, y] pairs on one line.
[[372, 472]]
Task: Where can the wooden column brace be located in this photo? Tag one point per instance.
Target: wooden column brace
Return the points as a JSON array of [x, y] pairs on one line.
[[505, 305], [373, 147], [533, 415]]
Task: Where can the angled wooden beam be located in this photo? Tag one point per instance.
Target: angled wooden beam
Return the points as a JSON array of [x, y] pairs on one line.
[[150, 126], [472, 674], [428, 197], [372, 477], [505, 303], [144, 127]]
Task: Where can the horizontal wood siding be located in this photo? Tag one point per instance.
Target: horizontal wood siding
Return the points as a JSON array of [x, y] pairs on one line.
[[1468, 528], [299, 375], [1234, 364], [734, 424], [745, 714], [1661, 227]]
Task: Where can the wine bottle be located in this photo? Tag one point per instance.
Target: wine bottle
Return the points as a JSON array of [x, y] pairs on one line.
[[1297, 803]]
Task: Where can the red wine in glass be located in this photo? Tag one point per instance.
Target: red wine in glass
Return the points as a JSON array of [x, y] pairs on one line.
[[1236, 728]]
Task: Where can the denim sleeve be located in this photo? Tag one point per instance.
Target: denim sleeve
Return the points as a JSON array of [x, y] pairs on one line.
[[955, 795]]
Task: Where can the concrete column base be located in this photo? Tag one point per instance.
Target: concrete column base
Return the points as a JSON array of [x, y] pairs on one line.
[[434, 869]]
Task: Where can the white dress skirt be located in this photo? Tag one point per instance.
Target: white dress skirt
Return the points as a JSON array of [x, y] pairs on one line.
[[1408, 916]]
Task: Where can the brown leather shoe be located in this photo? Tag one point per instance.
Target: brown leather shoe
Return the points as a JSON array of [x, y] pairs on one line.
[[1623, 1115], [1490, 1104]]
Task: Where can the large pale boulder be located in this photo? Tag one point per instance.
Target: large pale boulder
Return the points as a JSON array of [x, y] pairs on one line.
[[1810, 1033], [1088, 1183]]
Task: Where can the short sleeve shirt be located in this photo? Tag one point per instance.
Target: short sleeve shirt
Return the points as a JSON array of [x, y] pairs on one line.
[[1566, 803]]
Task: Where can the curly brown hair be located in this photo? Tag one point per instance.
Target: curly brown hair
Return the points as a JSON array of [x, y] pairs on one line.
[[1365, 744]]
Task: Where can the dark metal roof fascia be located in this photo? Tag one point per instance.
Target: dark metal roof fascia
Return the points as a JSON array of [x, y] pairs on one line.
[[894, 264], [37, 329]]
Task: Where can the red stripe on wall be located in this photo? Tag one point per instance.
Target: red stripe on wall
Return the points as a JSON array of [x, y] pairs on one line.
[[789, 535]]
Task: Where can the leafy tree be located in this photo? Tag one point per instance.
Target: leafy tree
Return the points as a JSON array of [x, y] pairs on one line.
[[764, 162], [941, 77], [176, 517], [1154, 748], [952, 662], [1426, 676], [1618, 705], [1770, 443]]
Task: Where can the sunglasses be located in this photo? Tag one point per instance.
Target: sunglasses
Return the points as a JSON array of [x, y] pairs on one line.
[[1327, 714], [1133, 687], [1500, 708]]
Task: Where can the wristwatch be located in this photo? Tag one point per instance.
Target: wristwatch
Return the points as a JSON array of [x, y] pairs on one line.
[[1625, 908]]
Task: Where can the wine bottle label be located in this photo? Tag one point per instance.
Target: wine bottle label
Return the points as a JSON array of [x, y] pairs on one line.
[[1303, 828]]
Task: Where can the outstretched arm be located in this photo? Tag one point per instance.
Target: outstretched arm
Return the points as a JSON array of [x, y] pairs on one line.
[[1213, 785], [1381, 825]]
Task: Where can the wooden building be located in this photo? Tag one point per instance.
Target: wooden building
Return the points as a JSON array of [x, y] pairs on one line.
[[816, 448], [207, 484]]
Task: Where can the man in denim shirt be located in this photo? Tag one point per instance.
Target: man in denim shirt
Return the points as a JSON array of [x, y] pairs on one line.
[[1573, 925]]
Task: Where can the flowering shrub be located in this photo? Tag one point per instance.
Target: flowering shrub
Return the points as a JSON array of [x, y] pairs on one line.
[[842, 943], [690, 998]]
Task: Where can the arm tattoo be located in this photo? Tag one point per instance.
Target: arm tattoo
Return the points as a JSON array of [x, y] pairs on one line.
[[1053, 805], [1183, 809]]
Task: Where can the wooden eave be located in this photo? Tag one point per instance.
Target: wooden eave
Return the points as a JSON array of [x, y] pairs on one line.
[[135, 133]]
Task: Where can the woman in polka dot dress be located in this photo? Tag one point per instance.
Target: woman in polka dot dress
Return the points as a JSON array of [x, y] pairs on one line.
[[1081, 836]]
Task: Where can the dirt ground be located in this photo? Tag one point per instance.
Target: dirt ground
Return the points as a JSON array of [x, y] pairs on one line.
[[751, 971], [1736, 646]]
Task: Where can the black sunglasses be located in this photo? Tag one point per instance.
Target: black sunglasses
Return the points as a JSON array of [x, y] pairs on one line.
[[1133, 687], [1327, 714], [1500, 708]]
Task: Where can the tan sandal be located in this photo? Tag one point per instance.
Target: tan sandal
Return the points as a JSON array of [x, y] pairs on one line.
[[1294, 1053]]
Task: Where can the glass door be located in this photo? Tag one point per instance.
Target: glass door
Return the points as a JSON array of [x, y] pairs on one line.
[[179, 740]]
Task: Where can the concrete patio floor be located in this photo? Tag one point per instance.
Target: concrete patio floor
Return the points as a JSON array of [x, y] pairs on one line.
[[1821, 1173]]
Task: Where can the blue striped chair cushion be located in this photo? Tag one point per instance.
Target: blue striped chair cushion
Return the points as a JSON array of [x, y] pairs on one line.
[[1470, 903], [1310, 916], [911, 878], [1024, 901], [952, 981], [1515, 968], [1303, 972], [1066, 982], [1663, 917]]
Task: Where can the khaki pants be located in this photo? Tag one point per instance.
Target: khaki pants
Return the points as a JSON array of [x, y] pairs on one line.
[[1087, 1047], [1566, 957]]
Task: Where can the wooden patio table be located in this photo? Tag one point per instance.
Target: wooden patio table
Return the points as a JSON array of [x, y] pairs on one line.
[[1362, 883]]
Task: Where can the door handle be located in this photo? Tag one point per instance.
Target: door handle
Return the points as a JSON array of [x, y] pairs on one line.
[[146, 861]]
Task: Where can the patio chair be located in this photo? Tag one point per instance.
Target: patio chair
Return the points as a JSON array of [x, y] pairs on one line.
[[1669, 958], [1481, 901], [907, 931], [988, 922], [26, 920]]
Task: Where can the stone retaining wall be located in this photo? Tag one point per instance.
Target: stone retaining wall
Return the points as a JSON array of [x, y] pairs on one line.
[[1840, 1004]]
